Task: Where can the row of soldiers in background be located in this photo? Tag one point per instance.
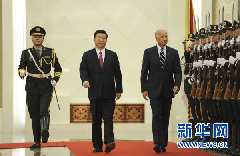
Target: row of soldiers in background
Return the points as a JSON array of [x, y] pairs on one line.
[[212, 81]]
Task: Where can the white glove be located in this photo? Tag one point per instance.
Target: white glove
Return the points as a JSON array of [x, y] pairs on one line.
[[200, 63], [191, 80], [206, 62], [238, 39], [223, 43], [219, 44], [238, 55], [223, 61], [205, 47], [232, 60], [219, 60], [22, 72], [54, 83], [195, 64], [211, 63], [209, 46], [232, 41], [198, 48]]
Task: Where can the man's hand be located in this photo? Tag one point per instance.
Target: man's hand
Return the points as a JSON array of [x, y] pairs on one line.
[[22, 73], [54, 83], [118, 95], [145, 95], [175, 90], [86, 84]]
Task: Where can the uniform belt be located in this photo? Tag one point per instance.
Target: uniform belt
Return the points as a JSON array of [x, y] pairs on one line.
[[39, 75]]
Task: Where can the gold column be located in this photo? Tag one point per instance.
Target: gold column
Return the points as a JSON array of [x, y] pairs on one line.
[[0, 53]]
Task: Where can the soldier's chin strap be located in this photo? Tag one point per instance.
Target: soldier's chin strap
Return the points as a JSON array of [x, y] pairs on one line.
[[40, 70]]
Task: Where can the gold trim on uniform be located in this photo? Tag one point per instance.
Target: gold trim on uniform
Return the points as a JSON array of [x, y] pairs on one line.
[[46, 61], [58, 74], [41, 62], [42, 58], [53, 57], [26, 99], [37, 34], [19, 70]]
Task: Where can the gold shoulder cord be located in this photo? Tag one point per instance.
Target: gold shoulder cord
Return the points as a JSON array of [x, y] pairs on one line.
[[53, 57]]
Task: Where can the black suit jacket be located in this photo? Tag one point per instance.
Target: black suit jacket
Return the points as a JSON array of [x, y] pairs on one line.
[[102, 80], [156, 79]]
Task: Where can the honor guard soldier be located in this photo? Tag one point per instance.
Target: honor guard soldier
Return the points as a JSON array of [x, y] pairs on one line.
[[188, 77], [36, 63]]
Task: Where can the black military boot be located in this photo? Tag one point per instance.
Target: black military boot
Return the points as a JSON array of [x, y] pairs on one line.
[[45, 121], [36, 134]]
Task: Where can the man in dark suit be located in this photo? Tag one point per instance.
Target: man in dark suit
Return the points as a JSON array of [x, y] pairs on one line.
[[100, 71], [161, 77]]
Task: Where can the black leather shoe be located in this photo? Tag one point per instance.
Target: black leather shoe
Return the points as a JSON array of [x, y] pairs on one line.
[[156, 148], [45, 135], [162, 149], [97, 150], [35, 145], [109, 147]]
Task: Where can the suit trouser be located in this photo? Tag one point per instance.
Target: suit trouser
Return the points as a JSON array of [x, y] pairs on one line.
[[160, 120], [102, 109]]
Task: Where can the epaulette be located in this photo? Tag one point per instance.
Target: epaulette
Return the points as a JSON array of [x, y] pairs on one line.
[[49, 48]]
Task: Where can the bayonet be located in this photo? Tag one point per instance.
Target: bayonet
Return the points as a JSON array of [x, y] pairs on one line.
[[224, 32]]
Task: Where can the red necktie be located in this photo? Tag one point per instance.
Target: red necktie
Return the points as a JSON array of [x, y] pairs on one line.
[[101, 59]]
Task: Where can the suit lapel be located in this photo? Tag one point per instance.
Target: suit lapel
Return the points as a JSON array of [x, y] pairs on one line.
[[156, 53], [95, 57], [106, 59], [167, 55]]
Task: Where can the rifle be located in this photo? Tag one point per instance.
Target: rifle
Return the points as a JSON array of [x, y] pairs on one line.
[[194, 84], [220, 92], [209, 91], [237, 79], [221, 88], [220, 49], [235, 91], [205, 73], [230, 84], [200, 72]]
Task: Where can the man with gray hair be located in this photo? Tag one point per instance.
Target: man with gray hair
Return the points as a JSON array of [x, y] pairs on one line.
[[161, 77]]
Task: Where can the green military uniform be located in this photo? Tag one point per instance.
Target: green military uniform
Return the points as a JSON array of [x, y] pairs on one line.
[[38, 84]]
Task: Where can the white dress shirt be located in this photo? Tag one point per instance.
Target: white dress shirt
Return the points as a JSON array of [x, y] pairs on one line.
[[103, 53], [164, 50]]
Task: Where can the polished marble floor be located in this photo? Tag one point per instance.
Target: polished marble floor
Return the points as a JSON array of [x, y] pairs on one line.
[[48, 151], [64, 151]]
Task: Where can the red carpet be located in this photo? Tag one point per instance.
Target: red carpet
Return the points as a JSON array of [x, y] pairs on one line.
[[126, 148]]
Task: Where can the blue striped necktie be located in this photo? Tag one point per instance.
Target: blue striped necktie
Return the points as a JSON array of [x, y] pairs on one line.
[[162, 57]]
